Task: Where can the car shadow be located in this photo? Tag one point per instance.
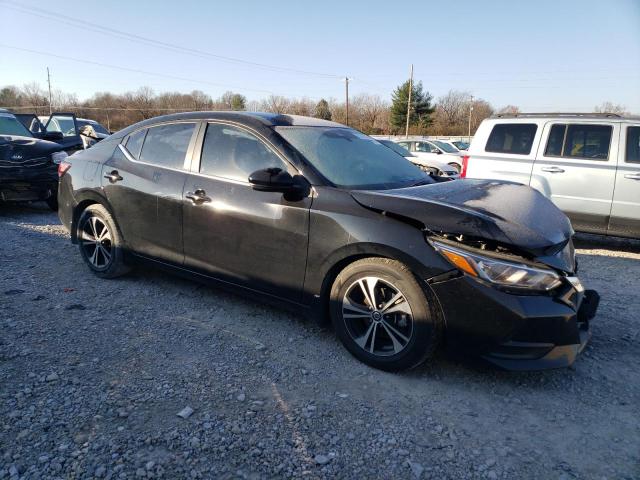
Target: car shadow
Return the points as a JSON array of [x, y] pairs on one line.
[[586, 241]]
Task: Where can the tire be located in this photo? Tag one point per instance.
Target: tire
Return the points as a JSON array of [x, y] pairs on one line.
[[52, 202], [105, 256], [414, 322], [455, 165]]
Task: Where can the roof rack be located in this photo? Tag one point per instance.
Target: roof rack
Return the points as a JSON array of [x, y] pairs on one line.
[[558, 114]]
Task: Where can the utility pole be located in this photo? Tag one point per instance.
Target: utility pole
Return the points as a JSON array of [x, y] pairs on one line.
[[346, 87], [470, 110], [406, 130], [49, 82]]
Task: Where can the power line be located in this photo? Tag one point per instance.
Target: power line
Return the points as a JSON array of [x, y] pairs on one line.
[[40, 12], [134, 70]]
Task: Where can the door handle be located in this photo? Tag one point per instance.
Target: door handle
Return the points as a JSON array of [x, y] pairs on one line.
[[552, 169], [113, 177], [632, 176], [198, 197]]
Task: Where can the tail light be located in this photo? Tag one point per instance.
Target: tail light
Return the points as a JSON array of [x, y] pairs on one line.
[[63, 167], [465, 164]]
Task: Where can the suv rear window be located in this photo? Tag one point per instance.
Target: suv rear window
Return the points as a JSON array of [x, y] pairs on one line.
[[590, 142], [514, 138]]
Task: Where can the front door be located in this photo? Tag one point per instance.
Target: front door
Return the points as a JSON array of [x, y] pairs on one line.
[[625, 212], [237, 234], [144, 181], [576, 169]]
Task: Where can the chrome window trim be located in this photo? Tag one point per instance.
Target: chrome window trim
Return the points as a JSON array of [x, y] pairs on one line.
[[188, 154]]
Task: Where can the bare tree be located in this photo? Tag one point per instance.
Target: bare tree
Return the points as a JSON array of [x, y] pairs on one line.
[[610, 107], [509, 109], [276, 104]]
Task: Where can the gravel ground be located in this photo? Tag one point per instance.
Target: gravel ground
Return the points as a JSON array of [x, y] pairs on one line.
[[152, 376]]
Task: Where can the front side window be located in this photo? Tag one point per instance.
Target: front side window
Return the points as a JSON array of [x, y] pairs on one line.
[[234, 153], [633, 145], [350, 159], [512, 138], [425, 147], [64, 124], [167, 145], [133, 143]]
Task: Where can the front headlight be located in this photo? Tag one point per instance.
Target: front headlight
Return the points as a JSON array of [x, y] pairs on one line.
[[500, 272], [58, 157]]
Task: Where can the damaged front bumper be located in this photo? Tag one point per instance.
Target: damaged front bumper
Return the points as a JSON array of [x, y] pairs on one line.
[[517, 331]]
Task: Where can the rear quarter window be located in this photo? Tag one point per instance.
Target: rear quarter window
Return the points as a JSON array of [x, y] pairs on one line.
[[512, 138]]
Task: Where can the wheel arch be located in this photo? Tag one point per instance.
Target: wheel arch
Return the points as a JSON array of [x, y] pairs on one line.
[[84, 200], [320, 289]]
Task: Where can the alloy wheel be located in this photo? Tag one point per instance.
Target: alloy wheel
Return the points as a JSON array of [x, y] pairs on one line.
[[377, 316], [96, 242]]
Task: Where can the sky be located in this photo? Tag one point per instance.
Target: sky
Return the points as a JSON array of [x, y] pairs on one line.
[[543, 55]]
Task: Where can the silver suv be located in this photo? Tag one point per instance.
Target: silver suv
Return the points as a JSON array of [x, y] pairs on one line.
[[588, 164]]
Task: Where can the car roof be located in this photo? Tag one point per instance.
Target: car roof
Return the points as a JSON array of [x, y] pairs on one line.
[[564, 116], [264, 119]]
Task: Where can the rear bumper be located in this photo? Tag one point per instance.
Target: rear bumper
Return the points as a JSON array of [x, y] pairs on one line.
[[25, 189], [517, 332]]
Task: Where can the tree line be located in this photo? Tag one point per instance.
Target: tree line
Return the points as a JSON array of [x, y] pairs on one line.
[[453, 114]]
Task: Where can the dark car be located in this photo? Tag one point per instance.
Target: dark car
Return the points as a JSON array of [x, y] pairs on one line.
[[28, 165], [323, 218]]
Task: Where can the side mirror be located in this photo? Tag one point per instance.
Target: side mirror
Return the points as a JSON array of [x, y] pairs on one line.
[[277, 180], [53, 136], [439, 152]]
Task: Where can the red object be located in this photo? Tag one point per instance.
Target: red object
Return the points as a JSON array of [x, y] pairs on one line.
[[465, 163], [63, 167]]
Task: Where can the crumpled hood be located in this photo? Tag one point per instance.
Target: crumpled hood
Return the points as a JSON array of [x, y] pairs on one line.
[[18, 148], [504, 212]]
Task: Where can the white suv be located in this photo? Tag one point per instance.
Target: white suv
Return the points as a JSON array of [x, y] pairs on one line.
[[588, 164]]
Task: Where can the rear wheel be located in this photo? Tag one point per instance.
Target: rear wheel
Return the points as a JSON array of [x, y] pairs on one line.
[[383, 316], [100, 242]]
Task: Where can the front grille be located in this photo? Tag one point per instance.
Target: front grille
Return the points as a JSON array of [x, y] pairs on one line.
[[30, 163]]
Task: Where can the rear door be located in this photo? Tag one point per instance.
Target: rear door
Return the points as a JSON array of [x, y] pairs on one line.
[[237, 234], [576, 168], [143, 182], [625, 211]]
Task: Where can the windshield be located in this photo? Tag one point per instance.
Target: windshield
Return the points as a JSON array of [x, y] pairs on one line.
[[96, 126], [399, 149], [350, 159], [10, 125], [446, 147], [461, 145]]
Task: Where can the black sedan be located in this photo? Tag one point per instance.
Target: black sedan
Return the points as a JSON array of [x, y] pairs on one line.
[[323, 218], [28, 165]]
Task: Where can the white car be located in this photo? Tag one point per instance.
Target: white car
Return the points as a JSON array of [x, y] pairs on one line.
[[588, 164], [428, 151], [432, 166], [458, 145]]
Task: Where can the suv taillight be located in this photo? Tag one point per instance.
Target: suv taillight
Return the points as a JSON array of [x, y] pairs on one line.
[[63, 167], [465, 164]]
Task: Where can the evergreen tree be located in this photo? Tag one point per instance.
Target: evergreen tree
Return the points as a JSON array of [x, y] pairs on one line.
[[322, 110], [238, 102], [421, 108]]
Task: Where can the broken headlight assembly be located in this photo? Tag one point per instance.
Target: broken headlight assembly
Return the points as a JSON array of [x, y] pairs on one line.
[[499, 271]]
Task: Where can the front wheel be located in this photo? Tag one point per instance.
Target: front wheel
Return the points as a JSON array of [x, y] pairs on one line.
[[383, 316], [455, 165], [101, 245]]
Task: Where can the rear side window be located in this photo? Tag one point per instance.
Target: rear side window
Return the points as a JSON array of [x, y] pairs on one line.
[[633, 145], [579, 141], [234, 153], [133, 144], [166, 145], [514, 138]]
